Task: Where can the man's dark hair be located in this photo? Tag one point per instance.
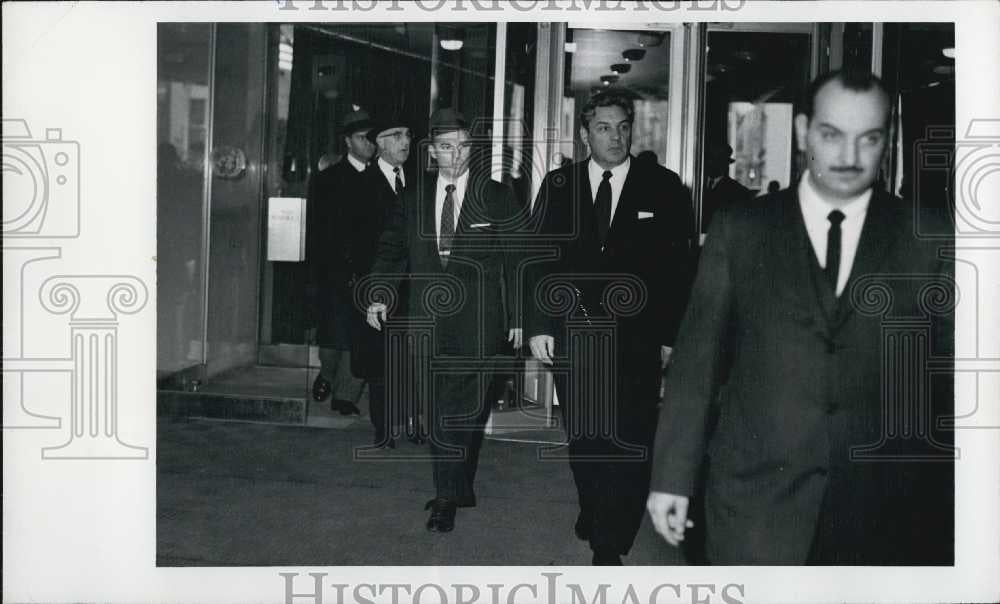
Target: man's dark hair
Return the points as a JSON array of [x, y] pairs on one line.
[[851, 79], [611, 98]]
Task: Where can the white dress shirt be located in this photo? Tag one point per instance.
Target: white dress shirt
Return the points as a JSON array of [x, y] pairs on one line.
[[387, 170], [815, 212], [617, 181], [458, 196], [358, 164]]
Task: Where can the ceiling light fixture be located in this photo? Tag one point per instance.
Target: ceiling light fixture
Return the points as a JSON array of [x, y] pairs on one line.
[[647, 40], [609, 79], [451, 44], [948, 52], [633, 54], [620, 68]]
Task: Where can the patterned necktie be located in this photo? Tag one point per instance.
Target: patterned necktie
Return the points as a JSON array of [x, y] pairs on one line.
[[832, 269], [602, 207], [447, 223], [399, 182]]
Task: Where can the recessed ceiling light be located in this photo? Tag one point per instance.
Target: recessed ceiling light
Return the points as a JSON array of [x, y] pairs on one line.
[[648, 39], [452, 44], [634, 54], [948, 52]]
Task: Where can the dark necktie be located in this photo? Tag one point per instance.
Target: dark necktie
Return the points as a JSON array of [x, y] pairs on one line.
[[602, 206], [832, 269], [399, 182], [447, 223]]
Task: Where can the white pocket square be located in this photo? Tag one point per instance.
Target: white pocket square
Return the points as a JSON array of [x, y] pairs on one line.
[[480, 225], [645, 215]]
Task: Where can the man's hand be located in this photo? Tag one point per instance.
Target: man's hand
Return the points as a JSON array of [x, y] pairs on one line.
[[376, 315], [516, 335], [669, 514], [665, 353], [542, 348]]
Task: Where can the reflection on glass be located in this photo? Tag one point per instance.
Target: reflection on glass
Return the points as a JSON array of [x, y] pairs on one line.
[[182, 119], [519, 156], [634, 61], [761, 137], [752, 81]]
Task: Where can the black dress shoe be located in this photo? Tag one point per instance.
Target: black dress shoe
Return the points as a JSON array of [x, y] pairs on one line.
[[321, 388], [583, 527], [344, 407], [442, 517], [606, 558]]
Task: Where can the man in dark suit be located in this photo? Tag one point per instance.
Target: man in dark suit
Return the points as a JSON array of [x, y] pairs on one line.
[[799, 393], [339, 194], [720, 188], [385, 181], [451, 236], [621, 230]]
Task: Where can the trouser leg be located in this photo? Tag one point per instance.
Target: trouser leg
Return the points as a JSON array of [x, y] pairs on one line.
[[457, 415], [610, 444], [335, 367], [623, 478]]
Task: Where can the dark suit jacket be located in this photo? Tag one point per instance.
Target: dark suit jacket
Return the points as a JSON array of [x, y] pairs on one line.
[[363, 226], [339, 194], [725, 192], [647, 247], [470, 300], [799, 379]]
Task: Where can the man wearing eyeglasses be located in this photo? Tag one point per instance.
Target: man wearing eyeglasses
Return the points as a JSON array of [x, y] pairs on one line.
[[385, 181], [451, 238]]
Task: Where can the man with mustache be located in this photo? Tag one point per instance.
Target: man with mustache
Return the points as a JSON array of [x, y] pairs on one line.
[[790, 398], [620, 230]]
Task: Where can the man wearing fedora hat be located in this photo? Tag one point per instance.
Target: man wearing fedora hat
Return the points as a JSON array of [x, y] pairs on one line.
[[720, 189], [385, 180], [452, 233], [336, 193]]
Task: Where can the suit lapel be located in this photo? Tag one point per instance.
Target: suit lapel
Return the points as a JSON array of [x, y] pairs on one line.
[[878, 234], [625, 215], [428, 227], [585, 204], [794, 258], [472, 205]]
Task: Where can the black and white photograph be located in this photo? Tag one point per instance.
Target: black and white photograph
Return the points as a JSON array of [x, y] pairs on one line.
[[453, 301]]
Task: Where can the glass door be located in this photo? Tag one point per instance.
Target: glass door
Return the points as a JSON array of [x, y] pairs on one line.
[[753, 74]]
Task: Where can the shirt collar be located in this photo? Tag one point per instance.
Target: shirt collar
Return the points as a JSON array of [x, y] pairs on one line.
[[618, 173], [459, 183], [389, 171], [813, 205], [358, 164]]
